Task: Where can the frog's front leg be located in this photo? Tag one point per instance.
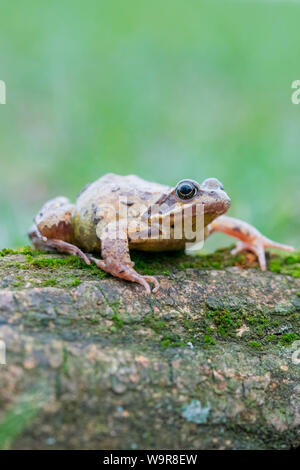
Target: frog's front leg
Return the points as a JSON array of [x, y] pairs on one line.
[[116, 258], [249, 237]]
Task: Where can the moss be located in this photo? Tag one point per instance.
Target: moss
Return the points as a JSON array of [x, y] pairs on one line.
[[172, 341], [255, 345], [286, 264], [260, 324], [34, 259], [283, 340], [217, 260], [167, 338], [114, 305], [208, 329], [295, 317], [225, 321], [288, 338], [292, 259], [275, 266], [94, 320], [114, 329], [18, 284], [164, 263], [26, 250], [207, 339], [7, 251], [118, 322], [188, 324], [155, 263], [65, 282], [53, 262], [220, 324], [49, 282], [272, 338], [155, 324]]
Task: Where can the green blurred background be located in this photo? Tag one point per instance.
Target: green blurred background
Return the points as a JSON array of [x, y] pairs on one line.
[[163, 89]]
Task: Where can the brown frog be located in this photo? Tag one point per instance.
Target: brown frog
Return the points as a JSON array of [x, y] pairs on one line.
[[118, 213]]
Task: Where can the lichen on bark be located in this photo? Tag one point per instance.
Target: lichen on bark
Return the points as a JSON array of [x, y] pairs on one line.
[[92, 362]]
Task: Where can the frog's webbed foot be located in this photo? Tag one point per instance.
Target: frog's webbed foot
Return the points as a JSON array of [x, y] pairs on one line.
[[126, 272], [249, 238], [44, 243]]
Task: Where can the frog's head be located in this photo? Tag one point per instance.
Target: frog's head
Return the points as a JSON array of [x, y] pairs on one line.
[[190, 194]]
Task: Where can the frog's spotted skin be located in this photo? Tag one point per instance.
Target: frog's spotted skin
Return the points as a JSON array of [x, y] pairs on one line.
[[89, 225]]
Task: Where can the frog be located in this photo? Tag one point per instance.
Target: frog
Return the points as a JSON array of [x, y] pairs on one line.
[[117, 214]]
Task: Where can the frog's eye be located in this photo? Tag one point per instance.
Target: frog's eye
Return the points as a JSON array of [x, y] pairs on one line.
[[186, 189]]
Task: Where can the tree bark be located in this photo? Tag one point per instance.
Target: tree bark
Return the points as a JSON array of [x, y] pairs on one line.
[[209, 362]]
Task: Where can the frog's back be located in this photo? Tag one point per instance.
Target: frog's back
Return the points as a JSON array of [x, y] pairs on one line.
[[99, 202]]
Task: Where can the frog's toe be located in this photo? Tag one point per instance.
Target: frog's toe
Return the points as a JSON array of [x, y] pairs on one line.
[[129, 274], [153, 280], [98, 262], [144, 283], [259, 251], [279, 246], [75, 251], [240, 246], [257, 248]]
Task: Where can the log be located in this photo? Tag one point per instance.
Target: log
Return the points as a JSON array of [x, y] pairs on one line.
[[212, 361]]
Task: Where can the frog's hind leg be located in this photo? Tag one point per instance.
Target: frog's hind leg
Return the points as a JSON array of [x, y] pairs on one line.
[[52, 228], [44, 243], [249, 238], [116, 258]]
